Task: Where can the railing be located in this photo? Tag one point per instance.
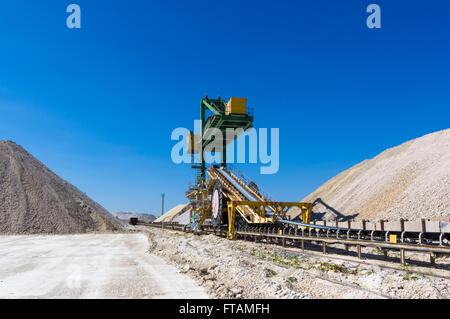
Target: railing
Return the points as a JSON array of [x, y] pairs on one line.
[[294, 236], [247, 181]]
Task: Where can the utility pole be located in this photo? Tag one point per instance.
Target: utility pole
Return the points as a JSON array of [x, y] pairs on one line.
[[162, 208]]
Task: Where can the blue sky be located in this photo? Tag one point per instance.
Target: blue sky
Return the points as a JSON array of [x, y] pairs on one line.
[[98, 105]]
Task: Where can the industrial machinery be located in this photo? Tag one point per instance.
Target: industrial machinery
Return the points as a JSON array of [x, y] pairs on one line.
[[234, 205], [228, 197]]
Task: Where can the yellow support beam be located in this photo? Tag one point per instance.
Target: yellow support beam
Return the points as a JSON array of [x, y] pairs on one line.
[[231, 221], [280, 209]]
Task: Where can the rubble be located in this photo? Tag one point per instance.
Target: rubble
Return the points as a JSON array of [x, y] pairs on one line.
[[238, 269], [34, 200]]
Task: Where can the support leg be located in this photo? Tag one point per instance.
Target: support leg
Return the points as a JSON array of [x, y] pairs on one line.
[[231, 218], [432, 259], [402, 256]]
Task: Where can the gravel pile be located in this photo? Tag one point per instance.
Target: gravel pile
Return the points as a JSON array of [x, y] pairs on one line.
[[184, 218], [173, 213], [34, 200], [238, 269], [410, 181]]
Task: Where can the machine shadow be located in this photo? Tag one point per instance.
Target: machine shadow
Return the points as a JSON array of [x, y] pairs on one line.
[[316, 215]]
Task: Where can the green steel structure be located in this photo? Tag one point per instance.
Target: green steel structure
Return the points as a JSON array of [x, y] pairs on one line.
[[214, 115], [219, 119], [227, 197]]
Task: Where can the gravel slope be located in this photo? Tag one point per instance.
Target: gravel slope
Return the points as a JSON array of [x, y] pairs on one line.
[[173, 213], [238, 269], [34, 200], [410, 181]]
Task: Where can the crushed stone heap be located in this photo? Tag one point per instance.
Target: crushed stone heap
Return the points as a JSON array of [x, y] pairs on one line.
[[34, 200], [410, 181]]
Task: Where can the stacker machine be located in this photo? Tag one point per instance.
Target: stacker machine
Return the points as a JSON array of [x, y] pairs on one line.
[[228, 197]]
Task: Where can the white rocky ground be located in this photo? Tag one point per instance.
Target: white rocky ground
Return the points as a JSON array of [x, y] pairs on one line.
[[88, 266], [238, 269]]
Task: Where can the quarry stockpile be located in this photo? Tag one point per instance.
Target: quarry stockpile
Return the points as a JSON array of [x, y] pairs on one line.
[[410, 181], [34, 200]]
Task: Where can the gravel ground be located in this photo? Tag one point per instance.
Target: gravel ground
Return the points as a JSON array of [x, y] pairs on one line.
[[93, 266], [237, 269]]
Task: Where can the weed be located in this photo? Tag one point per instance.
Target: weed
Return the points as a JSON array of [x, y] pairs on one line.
[[270, 272], [292, 280], [324, 266], [408, 273]]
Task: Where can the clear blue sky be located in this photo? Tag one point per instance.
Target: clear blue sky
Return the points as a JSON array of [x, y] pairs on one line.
[[98, 105]]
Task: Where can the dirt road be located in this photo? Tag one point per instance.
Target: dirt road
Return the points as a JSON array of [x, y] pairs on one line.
[[88, 266]]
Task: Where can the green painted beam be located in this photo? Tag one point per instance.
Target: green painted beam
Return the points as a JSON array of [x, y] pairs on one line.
[[219, 121]]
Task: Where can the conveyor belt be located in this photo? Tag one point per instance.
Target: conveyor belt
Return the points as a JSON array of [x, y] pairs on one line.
[[242, 190], [239, 187], [245, 193]]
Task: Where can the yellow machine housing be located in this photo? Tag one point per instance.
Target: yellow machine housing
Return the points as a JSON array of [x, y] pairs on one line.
[[236, 105]]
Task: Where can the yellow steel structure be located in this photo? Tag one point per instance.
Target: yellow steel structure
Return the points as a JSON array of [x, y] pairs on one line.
[[201, 200], [253, 212], [234, 192], [236, 105], [259, 208]]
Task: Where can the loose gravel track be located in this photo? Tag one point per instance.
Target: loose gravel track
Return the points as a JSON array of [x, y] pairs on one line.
[[238, 269]]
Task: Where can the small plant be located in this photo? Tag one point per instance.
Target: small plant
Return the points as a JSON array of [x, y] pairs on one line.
[[270, 272], [292, 280], [377, 251], [408, 273], [237, 249], [289, 261]]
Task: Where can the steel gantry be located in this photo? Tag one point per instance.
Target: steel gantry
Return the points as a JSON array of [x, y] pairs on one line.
[[226, 197]]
